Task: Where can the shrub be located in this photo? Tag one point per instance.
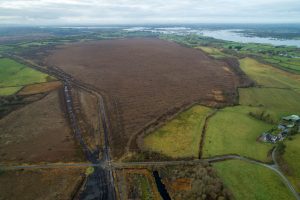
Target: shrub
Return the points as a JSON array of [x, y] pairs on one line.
[[281, 148]]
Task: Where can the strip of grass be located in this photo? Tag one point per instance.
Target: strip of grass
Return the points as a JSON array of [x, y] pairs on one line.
[[9, 90], [251, 181], [40, 88], [269, 76], [216, 53], [276, 102], [292, 158], [232, 131], [181, 136], [14, 74]]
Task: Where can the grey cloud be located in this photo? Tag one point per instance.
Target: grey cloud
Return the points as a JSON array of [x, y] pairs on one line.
[[147, 11]]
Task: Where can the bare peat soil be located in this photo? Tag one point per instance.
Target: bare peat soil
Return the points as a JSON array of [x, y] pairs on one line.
[[38, 132], [144, 81]]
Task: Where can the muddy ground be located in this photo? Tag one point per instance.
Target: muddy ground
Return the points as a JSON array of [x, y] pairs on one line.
[[40, 184], [38, 132], [146, 80], [86, 109]]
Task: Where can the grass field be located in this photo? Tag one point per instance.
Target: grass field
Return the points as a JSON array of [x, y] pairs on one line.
[[216, 53], [292, 158], [250, 181], [232, 131], [14, 74], [276, 102], [269, 76], [181, 136], [9, 90]]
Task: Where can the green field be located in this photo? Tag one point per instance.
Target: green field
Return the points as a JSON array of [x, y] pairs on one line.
[[276, 102], [251, 181], [181, 136], [216, 53], [292, 158], [9, 90], [14, 75], [269, 76], [232, 131]]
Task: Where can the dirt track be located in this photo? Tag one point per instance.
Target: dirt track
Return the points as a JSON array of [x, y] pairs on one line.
[[146, 79]]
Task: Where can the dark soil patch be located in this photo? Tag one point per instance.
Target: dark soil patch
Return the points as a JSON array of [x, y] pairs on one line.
[[146, 80]]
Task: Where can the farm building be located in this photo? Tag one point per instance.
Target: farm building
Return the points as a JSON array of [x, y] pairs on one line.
[[292, 118], [284, 128], [268, 137]]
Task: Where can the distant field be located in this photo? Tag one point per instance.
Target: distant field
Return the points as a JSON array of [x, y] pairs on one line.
[[232, 131], [250, 181], [290, 64], [181, 136], [30, 44], [216, 53], [292, 158], [269, 76], [14, 74], [276, 102]]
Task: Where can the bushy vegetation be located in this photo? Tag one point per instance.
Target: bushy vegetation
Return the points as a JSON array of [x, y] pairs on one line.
[[140, 187], [181, 136], [263, 116], [205, 183], [147, 156], [280, 149], [9, 103], [252, 181]]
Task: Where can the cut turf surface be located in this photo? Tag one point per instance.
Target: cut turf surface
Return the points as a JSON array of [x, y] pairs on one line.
[[232, 131], [181, 136], [252, 181]]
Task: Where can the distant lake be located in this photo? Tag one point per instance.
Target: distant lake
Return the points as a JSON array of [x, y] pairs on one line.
[[230, 35], [222, 34]]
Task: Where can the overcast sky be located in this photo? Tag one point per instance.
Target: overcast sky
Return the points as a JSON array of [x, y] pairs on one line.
[[63, 12]]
